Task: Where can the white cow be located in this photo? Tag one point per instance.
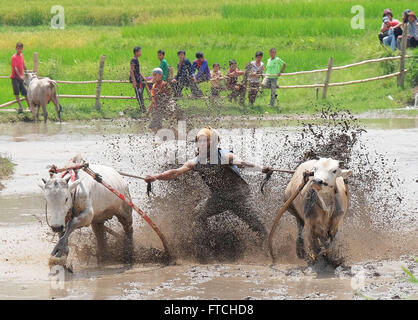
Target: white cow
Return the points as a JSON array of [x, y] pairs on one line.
[[321, 205], [40, 93], [84, 202]]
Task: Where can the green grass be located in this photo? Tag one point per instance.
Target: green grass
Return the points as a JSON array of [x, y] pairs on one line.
[[411, 277], [306, 34], [6, 167]]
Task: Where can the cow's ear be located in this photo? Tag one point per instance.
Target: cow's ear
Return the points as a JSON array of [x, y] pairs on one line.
[[73, 185], [346, 173]]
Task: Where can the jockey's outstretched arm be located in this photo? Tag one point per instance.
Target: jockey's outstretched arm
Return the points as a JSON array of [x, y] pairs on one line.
[[234, 159], [173, 173]]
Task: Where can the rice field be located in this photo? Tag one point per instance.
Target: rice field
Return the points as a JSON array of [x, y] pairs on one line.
[[305, 33]]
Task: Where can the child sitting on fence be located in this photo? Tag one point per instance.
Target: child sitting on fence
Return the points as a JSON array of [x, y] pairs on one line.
[[257, 69], [216, 81]]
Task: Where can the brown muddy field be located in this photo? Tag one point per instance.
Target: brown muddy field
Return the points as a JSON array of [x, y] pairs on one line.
[[378, 238]]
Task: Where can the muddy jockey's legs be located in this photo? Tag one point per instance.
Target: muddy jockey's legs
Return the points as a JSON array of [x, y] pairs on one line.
[[271, 83], [217, 204]]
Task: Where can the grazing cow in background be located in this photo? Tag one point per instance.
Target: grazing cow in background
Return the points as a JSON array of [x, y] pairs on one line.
[[321, 205], [40, 93], [76, 203]]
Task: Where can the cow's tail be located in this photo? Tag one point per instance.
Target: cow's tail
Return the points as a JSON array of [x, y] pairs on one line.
[[54, 84]]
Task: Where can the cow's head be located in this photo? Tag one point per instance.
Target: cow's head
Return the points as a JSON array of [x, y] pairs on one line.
[[326, 171], [29, 76], [59, 200]]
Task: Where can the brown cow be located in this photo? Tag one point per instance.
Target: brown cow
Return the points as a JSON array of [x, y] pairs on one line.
[[321, 205]]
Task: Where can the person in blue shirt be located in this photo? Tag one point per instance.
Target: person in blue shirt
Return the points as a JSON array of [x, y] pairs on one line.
[[218, 168], [202, 67]]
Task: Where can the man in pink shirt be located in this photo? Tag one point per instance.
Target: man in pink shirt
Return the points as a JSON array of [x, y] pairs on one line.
[[18, 76]]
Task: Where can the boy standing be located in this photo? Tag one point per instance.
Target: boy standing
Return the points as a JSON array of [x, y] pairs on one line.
[[275, 67], [257, 69], [163, 64], [137, 79], [17, 75]]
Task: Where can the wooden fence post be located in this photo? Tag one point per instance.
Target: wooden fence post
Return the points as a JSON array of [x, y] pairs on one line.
[[35, 62], [99, 81], [401, 76], [327, 77]]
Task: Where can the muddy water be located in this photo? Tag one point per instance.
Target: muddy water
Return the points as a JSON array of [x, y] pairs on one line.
[[376, 242]]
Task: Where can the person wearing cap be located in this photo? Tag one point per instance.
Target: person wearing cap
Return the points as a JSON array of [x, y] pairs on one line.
[[257, 69], [232, 84], [160, 99], [218, 168], [384, 30]]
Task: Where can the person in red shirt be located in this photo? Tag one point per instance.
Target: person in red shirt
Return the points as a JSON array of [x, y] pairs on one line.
[[18, 76]]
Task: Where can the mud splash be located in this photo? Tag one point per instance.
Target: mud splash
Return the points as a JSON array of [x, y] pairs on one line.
[[382, 211]]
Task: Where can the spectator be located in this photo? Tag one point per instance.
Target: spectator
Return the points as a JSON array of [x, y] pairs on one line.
[[387, 16], [184, 76], [257, 69], [396, 31], [137, 79], [384, 30], [215, 82], [202, 67], [163, 64], [274, 69], [17, 75], [237, 90], [412, 35], [160, 99]]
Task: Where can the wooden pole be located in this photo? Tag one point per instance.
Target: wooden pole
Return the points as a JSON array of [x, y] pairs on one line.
[[324, 92], [11, 102], [35, 62], [99, 81], [401, 76]]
